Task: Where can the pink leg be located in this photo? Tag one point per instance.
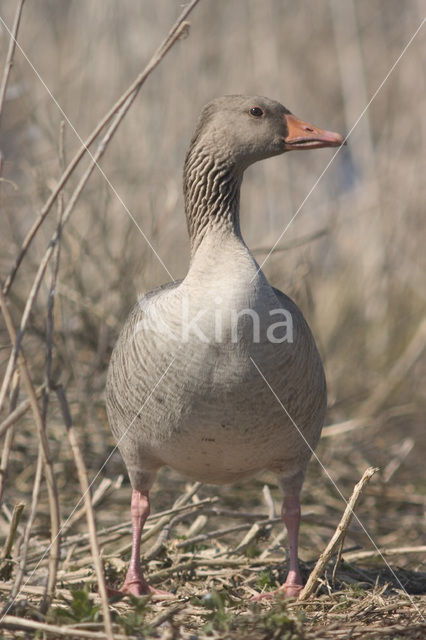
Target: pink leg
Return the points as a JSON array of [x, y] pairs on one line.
[[291, 516], [135, 583]]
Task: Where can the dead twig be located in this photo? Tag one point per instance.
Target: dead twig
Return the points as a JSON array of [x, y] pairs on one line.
[[269, 501], [402, 451], [180, 502], [45, 453], [223, 532], [13, 622], [197, 561], [405, 362], [19, 412], [338, 559], [162, 527], [164, 616], [378, 553], [16, 516], [39, 590], [104, 488], [163, 536], [121, 106], [343, 427], [10, 54], [126, 526], [338, 535], [176, 32], [23, 550], [52, 246], [4, 462], [91, 524], [199, 523]]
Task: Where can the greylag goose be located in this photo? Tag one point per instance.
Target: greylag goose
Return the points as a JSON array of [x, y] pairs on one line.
[[218, 375]]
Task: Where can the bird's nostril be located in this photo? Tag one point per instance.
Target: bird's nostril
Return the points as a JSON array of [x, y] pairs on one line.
[[309, 129]]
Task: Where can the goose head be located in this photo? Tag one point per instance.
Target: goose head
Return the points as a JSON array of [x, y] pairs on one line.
[[246, 129]]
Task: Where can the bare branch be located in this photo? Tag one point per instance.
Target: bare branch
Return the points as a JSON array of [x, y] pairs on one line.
[[10, 55], [337, 536]]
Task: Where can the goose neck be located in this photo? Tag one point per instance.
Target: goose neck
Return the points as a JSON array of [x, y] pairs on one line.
[[212, 196]]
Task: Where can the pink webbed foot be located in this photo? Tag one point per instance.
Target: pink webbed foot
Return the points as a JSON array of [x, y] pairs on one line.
[[286, 591], [136, 587], [291, 590], [140, 587]]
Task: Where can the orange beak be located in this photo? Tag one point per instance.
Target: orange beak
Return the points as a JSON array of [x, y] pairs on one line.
[[302, 135]]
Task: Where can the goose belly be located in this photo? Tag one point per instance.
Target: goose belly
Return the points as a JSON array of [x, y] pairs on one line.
[[217, 410], [220, 422], [243, 426]]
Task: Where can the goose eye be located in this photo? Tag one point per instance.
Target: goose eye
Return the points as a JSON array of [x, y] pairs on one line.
[[257, 112]]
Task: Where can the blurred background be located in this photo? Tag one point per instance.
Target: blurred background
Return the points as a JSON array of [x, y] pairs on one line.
[[353, 258]]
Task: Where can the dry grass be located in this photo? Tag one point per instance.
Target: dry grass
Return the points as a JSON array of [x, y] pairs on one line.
[[354, 261]]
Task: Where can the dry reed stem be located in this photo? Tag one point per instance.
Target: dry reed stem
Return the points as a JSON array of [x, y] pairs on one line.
[[174, 35], [338, 535], [378, 553], [52, 288], [19, 412], [36, 590], [3, 89], [186, 507], [111, 534], [125, 526], [10, 54], [339, 428], [225, 531], [125, 99], [404, 448], [5, 455], [411, 354], [267, 496], [23, 549], [224, 571], [251, 535], [16, 516], [50, 476], [338, 559], [14, 622], [91, 524], [261, 524], [405, 362], [163, 537], [180, 502], [105, 486], [197, 561], [346, 633], [4, 462], [52, 244], [164, 616]]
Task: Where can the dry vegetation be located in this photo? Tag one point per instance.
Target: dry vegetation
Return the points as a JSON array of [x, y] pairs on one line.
[[353, 258]]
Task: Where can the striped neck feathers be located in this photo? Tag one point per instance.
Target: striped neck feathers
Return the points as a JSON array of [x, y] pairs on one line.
[[211, 188]]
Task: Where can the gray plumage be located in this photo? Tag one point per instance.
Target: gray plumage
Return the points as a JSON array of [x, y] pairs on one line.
[[195, 375], [212, 417]]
